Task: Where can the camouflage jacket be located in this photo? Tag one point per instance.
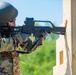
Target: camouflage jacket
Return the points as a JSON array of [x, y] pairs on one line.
[[10, 43], [9, 58]]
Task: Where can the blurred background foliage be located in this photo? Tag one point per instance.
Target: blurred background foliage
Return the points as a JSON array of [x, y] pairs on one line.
[[42, 60]]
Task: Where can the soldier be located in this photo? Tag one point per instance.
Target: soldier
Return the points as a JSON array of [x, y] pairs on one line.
[[11, 42]]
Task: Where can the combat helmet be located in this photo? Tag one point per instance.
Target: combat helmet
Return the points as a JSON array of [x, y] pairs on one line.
[[7, 12]]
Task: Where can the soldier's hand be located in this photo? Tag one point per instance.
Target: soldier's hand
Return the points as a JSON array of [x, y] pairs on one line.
[[24, 36]]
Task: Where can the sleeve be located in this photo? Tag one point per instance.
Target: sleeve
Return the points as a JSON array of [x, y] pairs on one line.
[[29, 45], [6, 44], [20, 41], [10, 43]]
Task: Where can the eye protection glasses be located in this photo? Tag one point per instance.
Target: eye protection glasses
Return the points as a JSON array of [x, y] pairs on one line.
[[13, 20]]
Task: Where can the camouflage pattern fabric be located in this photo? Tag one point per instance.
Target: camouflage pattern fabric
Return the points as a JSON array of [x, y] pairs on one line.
[[11, 43], [6, 63], [9, 58], [16, 64], [9, 63]]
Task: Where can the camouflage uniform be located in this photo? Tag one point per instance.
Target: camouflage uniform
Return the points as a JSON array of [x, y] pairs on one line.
[[9, 58], [9, 46]]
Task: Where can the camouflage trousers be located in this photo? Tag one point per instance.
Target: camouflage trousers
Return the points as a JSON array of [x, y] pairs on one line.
[[9, 63]]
